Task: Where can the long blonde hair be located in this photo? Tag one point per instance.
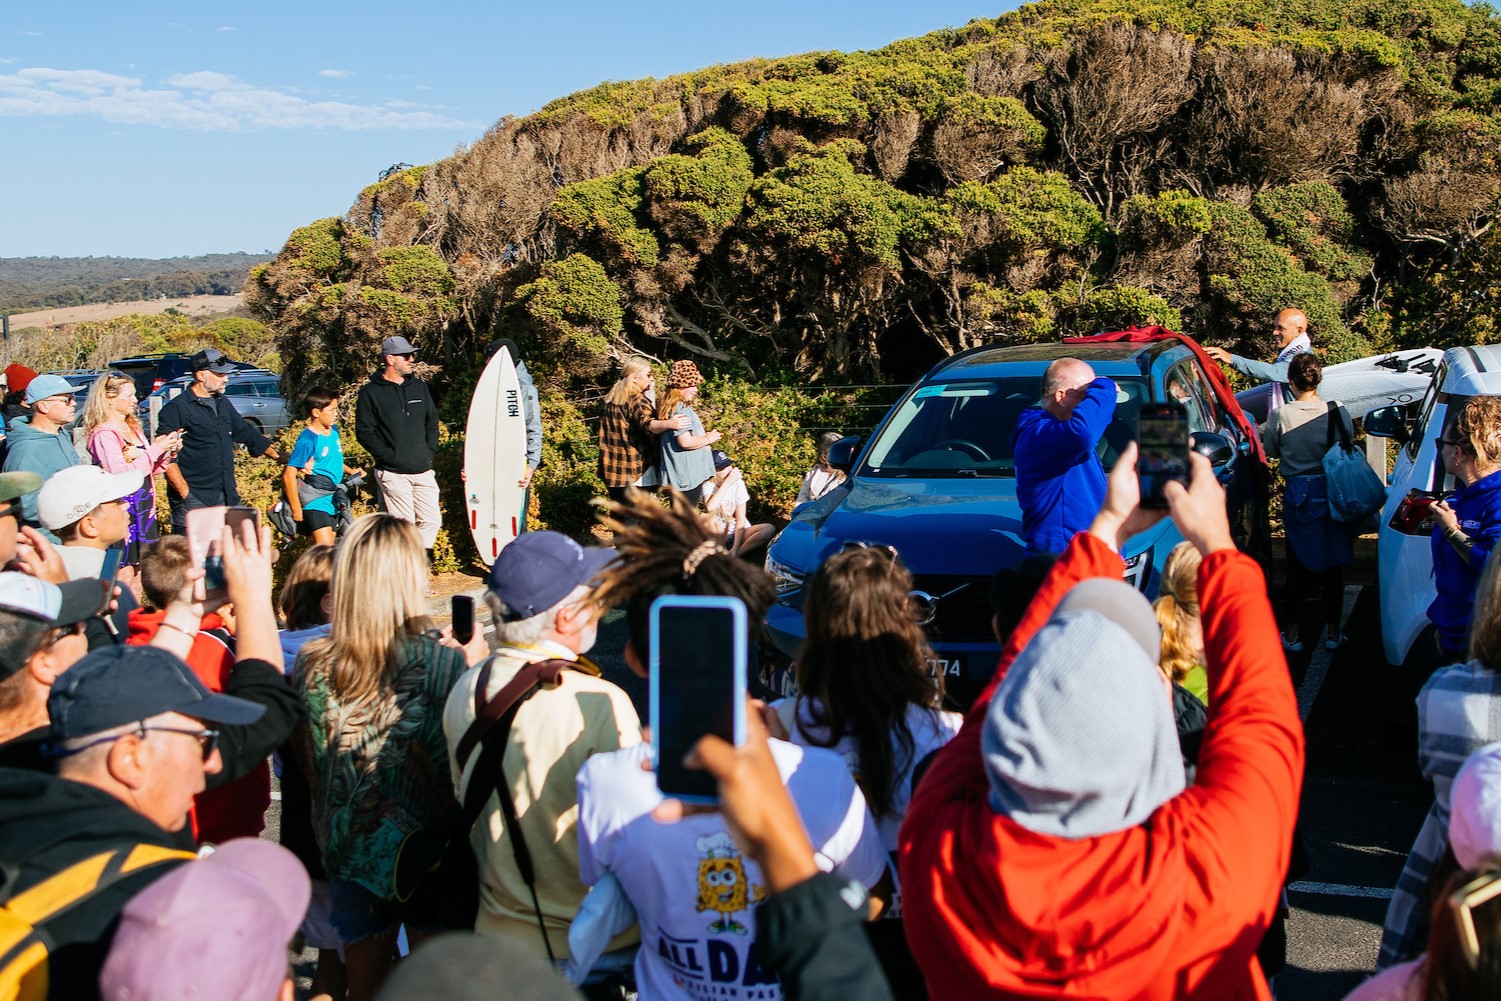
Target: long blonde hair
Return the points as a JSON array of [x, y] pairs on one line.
[[1177, 611], [96, 411], [623, 392], [669, 402], [379, 591]]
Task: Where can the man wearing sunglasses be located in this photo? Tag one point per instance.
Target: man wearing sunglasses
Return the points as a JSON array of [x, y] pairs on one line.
[[41, 444], [134, 735]]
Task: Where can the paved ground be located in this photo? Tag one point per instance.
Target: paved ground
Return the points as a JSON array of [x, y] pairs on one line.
[[1363, 801]]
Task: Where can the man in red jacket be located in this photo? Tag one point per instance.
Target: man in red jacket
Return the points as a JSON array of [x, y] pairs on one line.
[[1052, 850]]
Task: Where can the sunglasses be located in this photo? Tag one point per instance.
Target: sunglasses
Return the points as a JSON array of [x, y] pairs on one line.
[[1441, 442], [888, 551], [208, 740]]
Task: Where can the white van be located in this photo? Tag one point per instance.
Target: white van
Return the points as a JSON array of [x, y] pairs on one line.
[[1404, 557]]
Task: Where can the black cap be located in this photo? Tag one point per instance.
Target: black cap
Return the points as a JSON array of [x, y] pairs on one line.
[[721, 460], [124, 684], [214, 360]]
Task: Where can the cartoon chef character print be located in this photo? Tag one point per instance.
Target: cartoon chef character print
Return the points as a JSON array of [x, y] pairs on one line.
[[722, 886]]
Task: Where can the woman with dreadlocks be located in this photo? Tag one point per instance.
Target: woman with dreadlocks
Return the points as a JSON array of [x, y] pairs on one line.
[[688, 881]]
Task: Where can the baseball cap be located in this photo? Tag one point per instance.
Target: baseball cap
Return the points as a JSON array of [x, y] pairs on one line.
[[539, 570], [49, 604], [43, 386], [1475, 807], [113, 686], [73, 492], [18, 484], [214, 361], [397, 345], [215, 927], [721, 460]]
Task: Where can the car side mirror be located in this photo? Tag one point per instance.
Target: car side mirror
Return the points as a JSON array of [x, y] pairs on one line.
[[1387, 422], [842, 453], [1214, 447]]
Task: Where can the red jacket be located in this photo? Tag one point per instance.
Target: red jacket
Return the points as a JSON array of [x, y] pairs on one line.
[[236, 810], [1173, 908]]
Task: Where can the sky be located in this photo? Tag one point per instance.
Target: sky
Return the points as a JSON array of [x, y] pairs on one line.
[[162, 129]]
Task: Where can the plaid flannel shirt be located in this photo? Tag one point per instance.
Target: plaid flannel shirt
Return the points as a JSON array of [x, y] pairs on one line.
[[626, 444], [1459, 712]]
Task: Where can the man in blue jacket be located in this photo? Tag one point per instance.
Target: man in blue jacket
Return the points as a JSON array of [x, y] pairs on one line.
[[1060, 483], [42, 443]]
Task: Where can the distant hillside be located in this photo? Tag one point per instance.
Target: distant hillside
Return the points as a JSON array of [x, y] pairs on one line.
[[28, 283], [1072, 166]]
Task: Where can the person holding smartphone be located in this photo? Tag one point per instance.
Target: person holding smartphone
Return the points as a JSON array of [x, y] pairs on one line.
[[89, 510], [1059, 479], [695, 890], [117, 442]]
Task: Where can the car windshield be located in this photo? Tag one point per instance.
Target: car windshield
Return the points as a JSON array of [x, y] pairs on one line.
[[964, 428]]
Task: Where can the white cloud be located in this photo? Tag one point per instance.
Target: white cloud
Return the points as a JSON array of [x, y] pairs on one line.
[[8, 60], [204, 101], [337, 74], [30, 34], [225, 27]]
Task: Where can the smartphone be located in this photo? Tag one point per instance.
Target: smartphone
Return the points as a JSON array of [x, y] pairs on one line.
[[111, 567], [698, 678], [205, 526], [462, 610], [1162, 450]]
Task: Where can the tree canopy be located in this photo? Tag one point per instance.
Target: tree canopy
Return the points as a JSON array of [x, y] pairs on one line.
[[1071, 166]]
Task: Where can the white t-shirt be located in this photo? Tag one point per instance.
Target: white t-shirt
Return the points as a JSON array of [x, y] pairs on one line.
[[930, 729], [694, 893]]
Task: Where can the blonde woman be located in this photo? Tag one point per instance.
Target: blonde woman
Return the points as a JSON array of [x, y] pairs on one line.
[[1177, 611], [117, 442], [628, 431], [377, 760]]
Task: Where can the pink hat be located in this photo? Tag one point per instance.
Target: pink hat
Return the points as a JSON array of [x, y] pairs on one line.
[[216, 927], [1475, 807]]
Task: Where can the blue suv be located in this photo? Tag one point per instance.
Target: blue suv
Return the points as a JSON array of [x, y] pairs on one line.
[[936, 481]]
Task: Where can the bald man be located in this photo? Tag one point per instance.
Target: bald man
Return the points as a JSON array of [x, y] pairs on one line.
[[1290, 329], [1059, 480]]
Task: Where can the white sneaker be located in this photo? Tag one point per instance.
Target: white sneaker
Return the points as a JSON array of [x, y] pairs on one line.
[[1291, 646]]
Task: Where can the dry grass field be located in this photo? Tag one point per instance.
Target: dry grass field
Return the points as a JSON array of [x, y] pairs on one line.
[[197, 307]]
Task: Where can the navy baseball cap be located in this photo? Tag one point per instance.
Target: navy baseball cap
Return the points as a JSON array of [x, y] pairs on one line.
[[397, 345], [539, 570], [214, 360], [124, 684], [721, 460]]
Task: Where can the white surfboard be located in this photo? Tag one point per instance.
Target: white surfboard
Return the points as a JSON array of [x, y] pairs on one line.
[[495, 458], [1364, 384]]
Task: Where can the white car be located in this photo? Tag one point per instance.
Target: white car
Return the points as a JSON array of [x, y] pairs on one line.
[[1404, 558]]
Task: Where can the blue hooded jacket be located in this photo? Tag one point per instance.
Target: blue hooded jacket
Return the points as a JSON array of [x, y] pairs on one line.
[[1060, 483], [1479, 508], [35, 452]]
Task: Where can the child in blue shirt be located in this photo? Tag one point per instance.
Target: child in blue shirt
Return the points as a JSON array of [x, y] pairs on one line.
[[319, 457]]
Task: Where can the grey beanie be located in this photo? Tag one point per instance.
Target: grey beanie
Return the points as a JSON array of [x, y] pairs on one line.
[[1079, 740]]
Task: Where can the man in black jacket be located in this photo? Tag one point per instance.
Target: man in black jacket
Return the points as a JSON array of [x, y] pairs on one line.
[[204, 473], [133, 733], [396, 422]]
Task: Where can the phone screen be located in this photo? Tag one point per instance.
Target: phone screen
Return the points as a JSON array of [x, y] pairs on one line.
[[1162, 443], [205, 525], [111, 566], [697, 686], [462, 607]]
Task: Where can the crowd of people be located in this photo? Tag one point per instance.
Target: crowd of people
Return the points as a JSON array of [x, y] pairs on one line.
[[1113, 817]]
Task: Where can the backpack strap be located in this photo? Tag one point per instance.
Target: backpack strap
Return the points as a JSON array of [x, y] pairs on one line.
[[1337, 426], [488, 775]]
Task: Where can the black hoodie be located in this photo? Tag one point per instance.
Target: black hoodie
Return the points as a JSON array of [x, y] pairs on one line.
[[49, 823], [397, 424]]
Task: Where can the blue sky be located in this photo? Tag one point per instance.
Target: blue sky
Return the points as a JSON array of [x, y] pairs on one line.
[[154, 129]]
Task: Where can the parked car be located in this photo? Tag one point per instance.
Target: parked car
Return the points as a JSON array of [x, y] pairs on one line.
[[936, 481], [152, 372], [254, 392], [1404, 560], [81, 379]]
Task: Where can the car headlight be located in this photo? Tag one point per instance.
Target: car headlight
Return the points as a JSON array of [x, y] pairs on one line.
[[786, 578], [1138, 570]]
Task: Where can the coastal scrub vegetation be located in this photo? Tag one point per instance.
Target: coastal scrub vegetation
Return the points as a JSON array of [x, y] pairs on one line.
[[835, 219]]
